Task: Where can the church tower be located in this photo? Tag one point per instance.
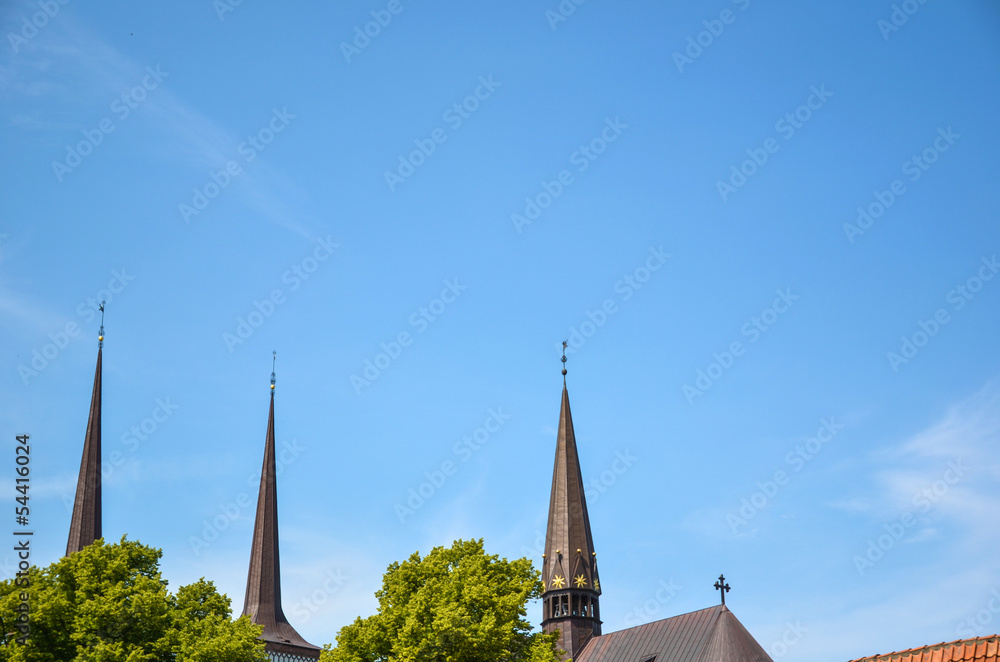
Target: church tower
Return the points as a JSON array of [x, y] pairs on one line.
[[263, 597], [85, 526], [570, 600]]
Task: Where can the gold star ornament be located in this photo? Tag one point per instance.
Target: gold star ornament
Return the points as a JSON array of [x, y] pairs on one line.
[[581, 581], [558, 582]]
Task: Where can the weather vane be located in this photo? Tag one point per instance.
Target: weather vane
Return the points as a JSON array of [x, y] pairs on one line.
[[722, 587], [565, 345], [274, 358], [100, 335]]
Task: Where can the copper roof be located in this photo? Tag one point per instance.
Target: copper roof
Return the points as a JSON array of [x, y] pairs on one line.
[[708, 635], [263, 597], [978, 649], [85, 525]]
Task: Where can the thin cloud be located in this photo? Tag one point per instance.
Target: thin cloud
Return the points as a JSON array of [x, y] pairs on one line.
[[945, 476], [971, 427], [952, 464], [68, 61], [15, 309]]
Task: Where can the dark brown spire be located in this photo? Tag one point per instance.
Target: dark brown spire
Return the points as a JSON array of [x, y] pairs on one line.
[[569, 569], [263, 598], [85, 527]]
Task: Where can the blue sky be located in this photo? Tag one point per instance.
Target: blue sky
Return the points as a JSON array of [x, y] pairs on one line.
[[675, 187]]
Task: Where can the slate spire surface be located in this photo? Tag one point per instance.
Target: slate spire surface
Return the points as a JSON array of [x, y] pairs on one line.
[[85, 525], [570, 600], [262, 602]]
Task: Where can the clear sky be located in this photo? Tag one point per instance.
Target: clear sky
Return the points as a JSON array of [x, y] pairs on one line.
[[756, 222]]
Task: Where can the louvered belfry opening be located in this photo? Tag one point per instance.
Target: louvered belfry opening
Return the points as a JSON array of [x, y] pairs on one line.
[[570, 603]]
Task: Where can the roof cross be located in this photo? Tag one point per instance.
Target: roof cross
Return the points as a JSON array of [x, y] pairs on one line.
[[274, 357], [722, 587]]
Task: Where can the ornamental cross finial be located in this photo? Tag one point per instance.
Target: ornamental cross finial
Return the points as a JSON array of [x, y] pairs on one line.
[[722, 587], [565, 345], [274, 357], [100, 334]]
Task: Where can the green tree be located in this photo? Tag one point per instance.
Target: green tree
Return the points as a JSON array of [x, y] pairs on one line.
[[456, 604], [108, 603]]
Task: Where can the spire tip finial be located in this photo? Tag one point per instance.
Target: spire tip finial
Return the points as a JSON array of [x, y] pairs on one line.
[[100, 334], [274, 358], [565, 345]]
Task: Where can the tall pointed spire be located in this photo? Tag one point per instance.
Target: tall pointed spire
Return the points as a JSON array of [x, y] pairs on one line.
[[85, 526], [263, 597], [570, 600]]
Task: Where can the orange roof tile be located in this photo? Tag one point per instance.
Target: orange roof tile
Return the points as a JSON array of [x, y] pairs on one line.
[[978, 649]]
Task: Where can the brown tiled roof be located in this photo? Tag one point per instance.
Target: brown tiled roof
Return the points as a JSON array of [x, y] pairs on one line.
[[85, 525], [978, 649], [708, 635]]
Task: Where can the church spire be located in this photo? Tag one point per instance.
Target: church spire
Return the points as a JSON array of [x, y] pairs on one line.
[[570, 600], [263, 597], [85, 526]]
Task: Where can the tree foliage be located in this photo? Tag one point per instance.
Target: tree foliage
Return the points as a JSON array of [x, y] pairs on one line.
[[108, 603], [456, 604]]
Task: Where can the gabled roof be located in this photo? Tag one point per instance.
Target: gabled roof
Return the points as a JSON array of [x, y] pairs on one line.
[[977, 649], [85, 525], [263, 597], [708, 635]]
